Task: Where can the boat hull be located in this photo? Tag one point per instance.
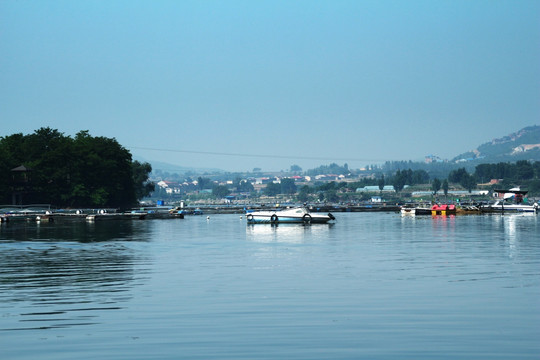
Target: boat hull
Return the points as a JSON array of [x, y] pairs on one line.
[[287, 217], [406, 211], [509, 209], [511, 202], [251, 219]]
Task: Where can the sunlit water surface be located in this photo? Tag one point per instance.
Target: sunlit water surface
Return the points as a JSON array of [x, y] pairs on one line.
[[371, 286]]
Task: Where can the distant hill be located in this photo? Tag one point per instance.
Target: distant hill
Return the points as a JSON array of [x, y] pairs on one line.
[[521, 145], [162, 167]]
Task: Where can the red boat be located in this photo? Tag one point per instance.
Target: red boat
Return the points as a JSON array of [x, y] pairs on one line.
[[443, 209]]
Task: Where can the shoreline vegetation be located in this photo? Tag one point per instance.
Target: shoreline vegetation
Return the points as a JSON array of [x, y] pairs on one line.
[[48, 167], [83, 171]]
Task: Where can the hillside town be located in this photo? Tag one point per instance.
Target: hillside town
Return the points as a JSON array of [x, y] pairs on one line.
[[509, 161], [353, 187]]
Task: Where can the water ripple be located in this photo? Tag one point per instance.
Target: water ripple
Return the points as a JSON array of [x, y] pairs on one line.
[[374, 286]]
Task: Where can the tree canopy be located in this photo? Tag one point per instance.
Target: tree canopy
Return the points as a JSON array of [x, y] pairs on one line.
[[329, 169], [435, 186], [83, 171]]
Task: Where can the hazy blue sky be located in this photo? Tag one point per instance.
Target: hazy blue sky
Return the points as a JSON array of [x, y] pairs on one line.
[[337, 81]]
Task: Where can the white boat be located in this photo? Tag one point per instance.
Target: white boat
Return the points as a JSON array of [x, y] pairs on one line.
[[512, 201], [503, 206], [297, 215], [411, 210], [408, 211]]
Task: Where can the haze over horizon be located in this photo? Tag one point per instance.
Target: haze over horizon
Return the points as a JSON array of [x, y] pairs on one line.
[[239, 85]]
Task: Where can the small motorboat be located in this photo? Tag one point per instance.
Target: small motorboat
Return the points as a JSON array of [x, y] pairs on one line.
[[411, 210], [407, 210], [512, 201], [297, 215]]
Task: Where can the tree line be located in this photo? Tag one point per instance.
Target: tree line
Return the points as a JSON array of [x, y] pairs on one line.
[[525, 174], [521, 173], [49, 167]]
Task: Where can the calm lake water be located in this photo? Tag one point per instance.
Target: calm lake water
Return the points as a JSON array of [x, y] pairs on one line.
[[371, 286]]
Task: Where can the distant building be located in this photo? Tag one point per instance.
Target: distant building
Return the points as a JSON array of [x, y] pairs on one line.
[[374, 188], [172, 187], [452, 193], [329, 177], [432, 158], [262, 180]]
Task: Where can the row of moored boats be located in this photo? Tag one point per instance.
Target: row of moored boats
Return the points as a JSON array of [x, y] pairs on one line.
[[511, 202]]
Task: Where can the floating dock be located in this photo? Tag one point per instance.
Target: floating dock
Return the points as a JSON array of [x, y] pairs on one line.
[[79, 215]]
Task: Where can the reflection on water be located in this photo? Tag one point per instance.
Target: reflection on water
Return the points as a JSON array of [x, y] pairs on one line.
[[78, 231], [55, 279], [372, 286], [512, 226], [286, 233]]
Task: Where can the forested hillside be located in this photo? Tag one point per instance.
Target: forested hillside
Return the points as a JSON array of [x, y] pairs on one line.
[[517, 146]]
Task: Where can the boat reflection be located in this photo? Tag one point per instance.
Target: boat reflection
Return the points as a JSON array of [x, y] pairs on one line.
[[513, 226], [75, 231], [287, 233]]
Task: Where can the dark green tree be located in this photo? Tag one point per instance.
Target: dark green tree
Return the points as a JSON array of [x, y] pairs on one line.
[[272, 189], [288, 186], [329, 169], [524, 170], [534, 186], [445, 187], [220, 191], [469, 183], [102, 171], [204, 183], [419, 177], [485, 172], [82, 171], [141, 171], [296, 169], [331, 196], [435, 186], [381, 183], [399, 180], [243, 185], [303, 194], [327, 186], [536, 167]]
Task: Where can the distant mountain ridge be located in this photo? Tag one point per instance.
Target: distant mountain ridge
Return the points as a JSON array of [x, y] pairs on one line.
[[521, 145], [163, 167]]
